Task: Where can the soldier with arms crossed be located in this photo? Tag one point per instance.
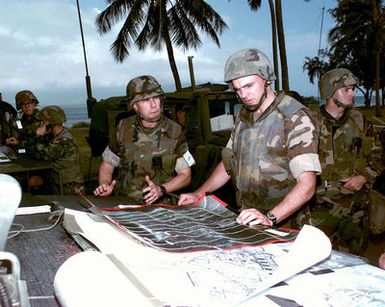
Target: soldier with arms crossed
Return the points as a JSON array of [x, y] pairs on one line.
[[345, 145], [272, 153], [149, 149]]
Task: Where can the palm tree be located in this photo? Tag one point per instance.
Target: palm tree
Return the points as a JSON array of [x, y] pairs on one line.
[[277, 30], [274, 43], [316, 66], [282, 46], [359, 38], [159, 23], [254, 6]]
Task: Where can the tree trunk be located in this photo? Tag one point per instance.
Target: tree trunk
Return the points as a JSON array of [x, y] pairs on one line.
[[282, 47], [274, 43], [171, 59], [174, 68], [378, 68]]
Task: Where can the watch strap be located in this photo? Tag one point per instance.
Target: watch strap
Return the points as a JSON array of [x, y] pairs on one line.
[[163, 189], [272, 217]]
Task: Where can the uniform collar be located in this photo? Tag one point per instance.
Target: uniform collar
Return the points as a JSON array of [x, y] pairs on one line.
[[335, 121], [252, 117]]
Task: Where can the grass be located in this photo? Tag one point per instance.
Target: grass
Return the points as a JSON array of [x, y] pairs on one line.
[[79, 134]]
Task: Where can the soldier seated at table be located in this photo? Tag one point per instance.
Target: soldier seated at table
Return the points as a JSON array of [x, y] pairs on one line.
[[7, 119], [23, 136], [26, 123], [61, 150]]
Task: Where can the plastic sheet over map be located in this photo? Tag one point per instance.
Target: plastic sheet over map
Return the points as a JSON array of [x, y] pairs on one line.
[[209, 225]]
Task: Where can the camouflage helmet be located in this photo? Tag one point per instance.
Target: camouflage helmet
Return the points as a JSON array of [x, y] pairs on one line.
[[24, 96], [141, 88], [52, 114], [335, 79], [248, 62]]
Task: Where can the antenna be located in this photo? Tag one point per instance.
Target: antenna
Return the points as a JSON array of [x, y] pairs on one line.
[[90, 100], [321, 28]]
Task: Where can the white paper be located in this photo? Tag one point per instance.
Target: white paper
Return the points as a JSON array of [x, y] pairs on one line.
[[33, 210], [310, 247], [91, 279], [207, 278]]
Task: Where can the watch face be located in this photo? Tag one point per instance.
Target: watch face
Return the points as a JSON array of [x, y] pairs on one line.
[[271, 217]]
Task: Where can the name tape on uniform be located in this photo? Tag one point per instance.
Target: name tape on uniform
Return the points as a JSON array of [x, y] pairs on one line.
[[189, 158], [19, 125]]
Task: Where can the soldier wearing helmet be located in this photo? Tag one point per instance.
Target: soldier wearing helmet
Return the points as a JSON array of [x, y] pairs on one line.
[[24, 98], [333, 81], [7, 121], [26, 104], [345, 149], [61, 150], [149, 149], [271, 156]]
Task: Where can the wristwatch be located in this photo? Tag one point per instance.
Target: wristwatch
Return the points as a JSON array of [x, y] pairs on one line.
[[272, 217], [163, 190]]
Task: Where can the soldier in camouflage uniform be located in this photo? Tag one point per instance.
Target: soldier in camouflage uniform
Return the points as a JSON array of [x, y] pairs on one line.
[[26, 102], [149, 149], [345, 145], [61, 151], [7, 121], [272, 153]]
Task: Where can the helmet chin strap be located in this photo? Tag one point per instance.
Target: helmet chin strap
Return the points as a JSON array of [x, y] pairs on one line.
[[342, 105], [261, 100]]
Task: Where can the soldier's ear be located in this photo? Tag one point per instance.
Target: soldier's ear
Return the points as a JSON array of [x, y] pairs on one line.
[[135, 107]]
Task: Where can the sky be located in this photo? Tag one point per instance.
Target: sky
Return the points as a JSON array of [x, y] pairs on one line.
[[41, 48]]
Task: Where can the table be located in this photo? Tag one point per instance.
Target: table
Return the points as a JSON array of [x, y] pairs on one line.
[[27, 165], [41, 254]]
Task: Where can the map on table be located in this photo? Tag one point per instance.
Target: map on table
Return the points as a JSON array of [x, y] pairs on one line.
[[206, 226]]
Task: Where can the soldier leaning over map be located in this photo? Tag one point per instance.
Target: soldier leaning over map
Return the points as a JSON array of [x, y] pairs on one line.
[[271, 156]]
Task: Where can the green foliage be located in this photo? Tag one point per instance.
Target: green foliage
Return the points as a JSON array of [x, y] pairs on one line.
[[359, 33], [160, 23], [310, 101], [81, 125]]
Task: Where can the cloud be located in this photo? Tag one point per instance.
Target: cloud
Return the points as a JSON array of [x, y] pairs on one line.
[[41, 49]]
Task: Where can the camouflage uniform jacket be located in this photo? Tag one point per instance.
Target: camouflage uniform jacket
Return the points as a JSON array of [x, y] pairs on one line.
[[27, 136], [63, 153], [266, 155], [143, 151], [7, 119], [345, 150]]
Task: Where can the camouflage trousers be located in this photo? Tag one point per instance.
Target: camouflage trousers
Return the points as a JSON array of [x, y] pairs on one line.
[[345, 222]]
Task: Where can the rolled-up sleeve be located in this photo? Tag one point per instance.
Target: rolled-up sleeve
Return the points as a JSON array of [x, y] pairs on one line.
[[302, 144], [305, 163], [110, 157]]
